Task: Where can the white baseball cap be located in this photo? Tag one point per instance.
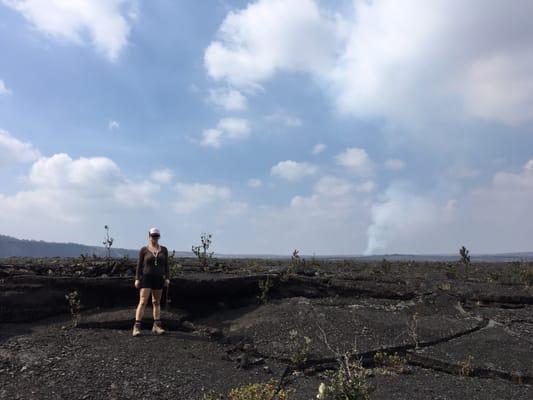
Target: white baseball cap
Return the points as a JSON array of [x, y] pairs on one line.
[[154, 231]]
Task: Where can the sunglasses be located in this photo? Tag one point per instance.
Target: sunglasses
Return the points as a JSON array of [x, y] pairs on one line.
[[155, 236]]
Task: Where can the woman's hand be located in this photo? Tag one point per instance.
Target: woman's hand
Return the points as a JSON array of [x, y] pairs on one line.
[[167, 282], [137, 283]]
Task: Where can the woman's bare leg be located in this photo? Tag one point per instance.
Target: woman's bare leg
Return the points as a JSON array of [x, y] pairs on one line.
[[156, 302], [144, 295]]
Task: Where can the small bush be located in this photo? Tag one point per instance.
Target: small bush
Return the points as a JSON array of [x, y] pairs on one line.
[[412, 325], [265, 287], [390, 363], [526, 275], [74, 302], [201, 251], [466, 368], [293, 264], [299, 348], [258, 391], [347, 383]]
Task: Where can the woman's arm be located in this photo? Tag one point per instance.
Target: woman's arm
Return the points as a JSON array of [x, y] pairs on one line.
[[139, 270], [167, 275]]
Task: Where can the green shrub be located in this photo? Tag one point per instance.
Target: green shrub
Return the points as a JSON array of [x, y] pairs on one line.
[[299, 348], [258, 391], [74, 302], [347, 383], [265, 287]]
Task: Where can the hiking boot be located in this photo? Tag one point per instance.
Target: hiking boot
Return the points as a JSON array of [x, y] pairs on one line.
[[136, 329], [157, 328]]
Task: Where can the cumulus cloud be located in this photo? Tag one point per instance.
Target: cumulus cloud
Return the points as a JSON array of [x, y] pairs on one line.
[[419, 77], [162, 175], [318, 148], [228, 98], [13, 150], [107, 22], [292, 170], [271, 35], [192, 196], [332, 186], [113, 125], [389, 47], [4, 89], [355, 160], [69, 189], [227, 129]]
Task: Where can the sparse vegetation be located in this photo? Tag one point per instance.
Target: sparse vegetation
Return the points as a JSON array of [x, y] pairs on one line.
[[174, 268], [390, 364], [299, 346], [385, 265], [83, 258], [265, 287], [293, 264], [465, 256], [258, 391], [465, 259], [252, 391], [201, 251], [74, 302], [349, 381], [412, 325], [466, 368], [526, 274], [108, 242]]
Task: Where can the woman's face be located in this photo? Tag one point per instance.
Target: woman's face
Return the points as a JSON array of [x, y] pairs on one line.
[[154, 239]]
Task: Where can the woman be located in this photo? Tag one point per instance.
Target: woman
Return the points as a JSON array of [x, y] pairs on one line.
[[150, 276]]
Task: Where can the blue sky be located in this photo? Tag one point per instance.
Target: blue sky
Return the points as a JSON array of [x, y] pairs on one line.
[[343, 127]]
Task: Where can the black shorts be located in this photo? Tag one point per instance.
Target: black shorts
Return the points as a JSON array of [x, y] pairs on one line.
[[152, 281]]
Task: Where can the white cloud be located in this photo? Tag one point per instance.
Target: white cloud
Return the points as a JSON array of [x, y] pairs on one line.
[[234, 127], [192, 196], [500, 87], [284, 118], [105, 21], [311, 202], [488, 73], [137, 194], [292, 170], [227, 129], [113, 125], [71, 190], [394, 164], [356, 160], [389, 47], [332, 186], [254, 183], [12, 150], [162, 175], [228, 98], [319, 148], [271, 35], [212, 138], [4, 89]]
